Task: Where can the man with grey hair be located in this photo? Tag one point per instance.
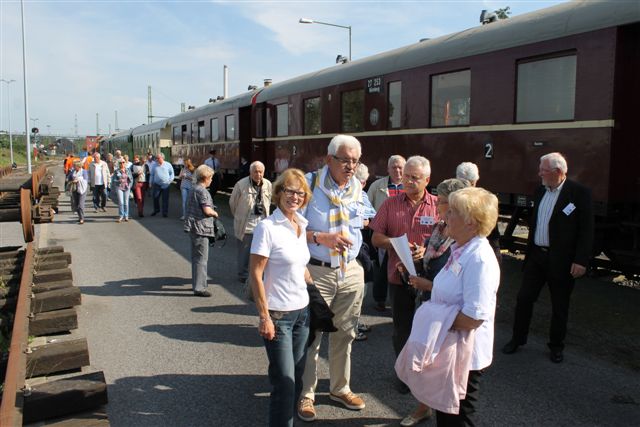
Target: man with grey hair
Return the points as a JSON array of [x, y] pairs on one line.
[[99, 178], [335, 217], [161, 179], [413, 213], [249, 202], [558, 252], [468, 171], [379, 191]]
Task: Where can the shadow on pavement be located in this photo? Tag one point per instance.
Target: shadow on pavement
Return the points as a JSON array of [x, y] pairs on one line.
[[243, 335]]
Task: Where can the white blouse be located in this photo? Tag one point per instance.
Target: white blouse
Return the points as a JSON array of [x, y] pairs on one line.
[[275, 238], [470, 279]]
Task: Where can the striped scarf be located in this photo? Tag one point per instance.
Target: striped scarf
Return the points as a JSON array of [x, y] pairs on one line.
[[339, 212]]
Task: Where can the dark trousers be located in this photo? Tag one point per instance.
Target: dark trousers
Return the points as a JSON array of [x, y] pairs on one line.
[[467, 415], [537, 273], [403, 303], [99, 196], [380, 280], [159, 192]]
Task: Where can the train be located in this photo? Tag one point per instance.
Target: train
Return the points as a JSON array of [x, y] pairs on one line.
[[564, 78]]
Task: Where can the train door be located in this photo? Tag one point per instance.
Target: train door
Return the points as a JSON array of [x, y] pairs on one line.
[[249, 149]]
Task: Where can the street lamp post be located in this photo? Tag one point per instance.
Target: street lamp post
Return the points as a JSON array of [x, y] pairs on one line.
[[8, 82], [26, 92], [313, 21]]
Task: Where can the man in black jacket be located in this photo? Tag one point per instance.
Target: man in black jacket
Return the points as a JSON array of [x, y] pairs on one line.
[[559, 248]]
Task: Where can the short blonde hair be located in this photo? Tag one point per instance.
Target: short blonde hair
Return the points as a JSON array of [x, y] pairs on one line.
[[476, 205], [291, 176], [203, 172]]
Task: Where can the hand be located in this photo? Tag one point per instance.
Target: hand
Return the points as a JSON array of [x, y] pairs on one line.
[[267, 329], [417, 251], [420, 283], [336, 241], [577, 270]]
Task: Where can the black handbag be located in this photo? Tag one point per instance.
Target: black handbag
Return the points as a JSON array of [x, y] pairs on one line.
[[219, 233]]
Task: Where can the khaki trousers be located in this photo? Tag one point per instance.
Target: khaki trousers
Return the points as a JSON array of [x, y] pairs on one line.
[[344, 297]]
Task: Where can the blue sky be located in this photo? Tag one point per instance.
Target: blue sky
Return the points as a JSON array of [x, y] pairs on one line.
[[88, 57]]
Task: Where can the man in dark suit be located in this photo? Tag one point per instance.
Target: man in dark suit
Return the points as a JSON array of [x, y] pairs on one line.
[[559, 248]]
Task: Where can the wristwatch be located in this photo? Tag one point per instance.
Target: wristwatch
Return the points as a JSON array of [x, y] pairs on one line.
[[315, 238]]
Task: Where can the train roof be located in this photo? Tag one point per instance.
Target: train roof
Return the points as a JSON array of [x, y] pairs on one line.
[[160, 124], [563, 20], [242, 100], [121, 134]]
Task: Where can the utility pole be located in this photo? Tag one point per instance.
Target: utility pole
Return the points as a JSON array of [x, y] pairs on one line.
[[75, 124], [27, 134], [116, 122], [149, 109], [97, 124]]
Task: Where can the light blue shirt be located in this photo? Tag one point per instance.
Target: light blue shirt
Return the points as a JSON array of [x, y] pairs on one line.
[[317, 213], [162, 175]]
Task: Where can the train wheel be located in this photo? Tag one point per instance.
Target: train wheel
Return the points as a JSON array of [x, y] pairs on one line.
[[25, 214]]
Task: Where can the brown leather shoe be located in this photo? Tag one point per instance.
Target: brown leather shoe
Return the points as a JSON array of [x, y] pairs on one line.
[[306, 411], [350, 400]]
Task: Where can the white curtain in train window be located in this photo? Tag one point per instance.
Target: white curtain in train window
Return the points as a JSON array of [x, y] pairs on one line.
[[282, 119], [215, 131], [546, 89], [451, 99]]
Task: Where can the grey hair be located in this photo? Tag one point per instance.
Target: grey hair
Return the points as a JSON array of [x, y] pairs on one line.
[[450, 185], [255, 164], [362, 172], [421, 162], [96, 154], [556, 161], [468, 171], [346, 141], [160, 155], [203, 172], [395, 158]]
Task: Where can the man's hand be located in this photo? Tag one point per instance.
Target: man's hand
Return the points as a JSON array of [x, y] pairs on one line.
[[417, 251], [335, 241], [577, 270]]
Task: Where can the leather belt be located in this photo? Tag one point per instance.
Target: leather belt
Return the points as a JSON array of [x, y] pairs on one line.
[[319, 263], [542, 248]]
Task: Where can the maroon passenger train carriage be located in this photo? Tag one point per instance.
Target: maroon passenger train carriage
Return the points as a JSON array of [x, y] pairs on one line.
[[500, 95]]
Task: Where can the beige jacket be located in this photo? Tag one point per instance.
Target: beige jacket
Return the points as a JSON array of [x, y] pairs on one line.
[[378, 192], [241, 201], [103, 168]]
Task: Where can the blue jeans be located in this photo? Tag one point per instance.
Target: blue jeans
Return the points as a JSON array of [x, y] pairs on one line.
[[287, 354], [159, 192], [123, 203], [185, 195]]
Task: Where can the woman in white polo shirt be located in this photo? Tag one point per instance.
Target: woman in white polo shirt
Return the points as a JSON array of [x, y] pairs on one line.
[[279, 278]]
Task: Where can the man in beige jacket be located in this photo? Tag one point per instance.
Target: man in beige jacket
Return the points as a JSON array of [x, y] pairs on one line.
[[249, 202]]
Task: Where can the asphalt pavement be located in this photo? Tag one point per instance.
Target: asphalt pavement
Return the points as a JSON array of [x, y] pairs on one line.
[[173, 359]]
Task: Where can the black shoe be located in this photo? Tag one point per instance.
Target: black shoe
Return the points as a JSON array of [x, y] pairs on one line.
[[154, 213], [164, 215], [510, 347], [204, 293], [402, 387], [556, 356]]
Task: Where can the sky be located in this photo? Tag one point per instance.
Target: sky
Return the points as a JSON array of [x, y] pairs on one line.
[[88, 58]]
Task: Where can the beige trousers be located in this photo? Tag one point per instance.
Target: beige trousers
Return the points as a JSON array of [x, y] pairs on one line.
[[344, 297]]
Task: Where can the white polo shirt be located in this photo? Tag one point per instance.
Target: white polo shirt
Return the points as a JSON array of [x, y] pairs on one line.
[[284, 284], [471, 279]]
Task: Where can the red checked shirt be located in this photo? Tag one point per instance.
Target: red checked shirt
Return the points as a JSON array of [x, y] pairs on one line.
[[398, 216]]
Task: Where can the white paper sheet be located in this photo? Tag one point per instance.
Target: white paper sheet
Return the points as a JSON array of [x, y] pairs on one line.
[[401, 246]]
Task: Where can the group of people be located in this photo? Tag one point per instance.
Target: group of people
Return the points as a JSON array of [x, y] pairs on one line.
[[443, 315]]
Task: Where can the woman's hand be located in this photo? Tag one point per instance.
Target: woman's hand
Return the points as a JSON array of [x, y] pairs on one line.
[[420, 283], [267, 329], [417, 251]]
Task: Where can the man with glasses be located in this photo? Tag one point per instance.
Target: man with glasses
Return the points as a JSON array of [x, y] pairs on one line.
[[336, 215], [380, 191], [558, 252], [413, 213]]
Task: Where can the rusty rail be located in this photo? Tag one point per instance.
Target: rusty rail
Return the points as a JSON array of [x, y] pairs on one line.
[[11, 407]]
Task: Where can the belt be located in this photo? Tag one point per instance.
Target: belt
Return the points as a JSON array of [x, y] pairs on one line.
[[542, 248], [319, 263]]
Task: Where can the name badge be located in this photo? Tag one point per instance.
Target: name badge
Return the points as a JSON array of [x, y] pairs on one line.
[[456, 268], [568, 209], [427, 220]]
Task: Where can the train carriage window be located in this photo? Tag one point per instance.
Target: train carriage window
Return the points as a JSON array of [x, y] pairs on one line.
[[282, 118], [353, 111], [215, 131], [201, 131], [193, 133], [184, 136], [546, 89], [259, 113], [230, 126], [312, 114], [451, 99], [394, 102], [176, 135]]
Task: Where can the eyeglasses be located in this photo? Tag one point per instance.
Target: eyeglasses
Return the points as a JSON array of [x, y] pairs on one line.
[[347, 162], [290, 193]]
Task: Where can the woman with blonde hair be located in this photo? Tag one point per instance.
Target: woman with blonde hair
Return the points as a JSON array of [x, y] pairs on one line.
[[186, 184], [279, 278]]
